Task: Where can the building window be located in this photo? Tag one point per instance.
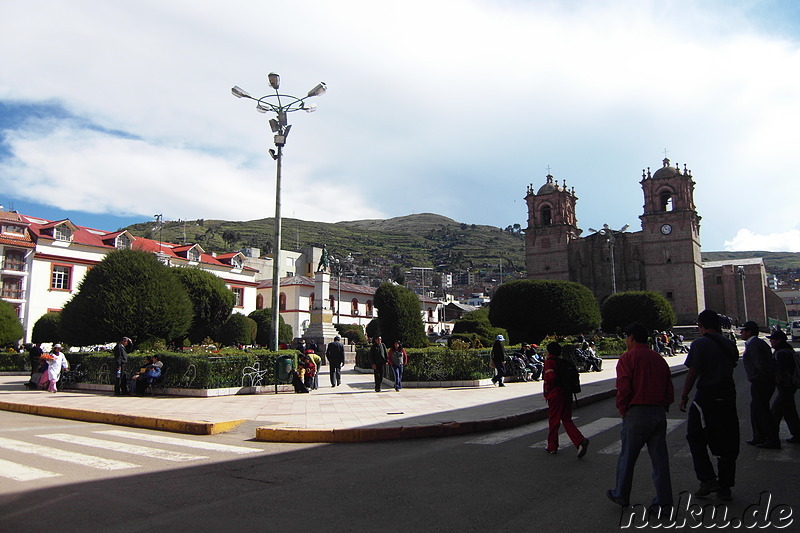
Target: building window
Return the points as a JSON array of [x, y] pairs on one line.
[[282, 302], [194, 255], [62, 233], [669, 295], [236, 261], [123, 242], [719, 280], [60, 278], [311, 302], [354, 307], [430, 314], [238, 296], [18, 230], [369, 308], [666, 201], [12, 288], [260, 301], [547, 216], [14, 260]]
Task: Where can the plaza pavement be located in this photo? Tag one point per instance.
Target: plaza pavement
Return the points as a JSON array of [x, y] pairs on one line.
[[348, 413]]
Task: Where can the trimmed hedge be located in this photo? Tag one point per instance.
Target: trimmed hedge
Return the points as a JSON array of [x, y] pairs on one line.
[[438, 364]]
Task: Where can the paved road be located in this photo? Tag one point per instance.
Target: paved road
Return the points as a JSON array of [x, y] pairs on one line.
[[497, 481]]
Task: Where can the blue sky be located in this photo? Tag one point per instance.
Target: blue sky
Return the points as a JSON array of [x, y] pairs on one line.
[[111, 112]]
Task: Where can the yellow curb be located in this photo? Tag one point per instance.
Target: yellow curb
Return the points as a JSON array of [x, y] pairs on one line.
[[191, 427], [294, 435]]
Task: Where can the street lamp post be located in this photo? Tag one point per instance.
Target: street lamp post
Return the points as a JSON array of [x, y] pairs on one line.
[[338, 267], [281, 105], [611, 238]]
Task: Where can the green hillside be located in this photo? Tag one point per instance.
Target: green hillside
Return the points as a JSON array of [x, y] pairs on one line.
[[423, 240]]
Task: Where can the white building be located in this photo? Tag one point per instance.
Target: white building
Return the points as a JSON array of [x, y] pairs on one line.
[[43, 263]]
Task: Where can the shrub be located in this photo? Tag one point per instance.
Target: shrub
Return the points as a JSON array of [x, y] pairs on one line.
[[477, 322], [129, 293], [265, 329], [532, 309], [238, 329], [400, 316], [10, 328], [352, 332], [47, 328], [649, 308]]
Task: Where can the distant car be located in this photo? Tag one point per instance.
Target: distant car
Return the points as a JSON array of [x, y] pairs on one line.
[[796, 330]]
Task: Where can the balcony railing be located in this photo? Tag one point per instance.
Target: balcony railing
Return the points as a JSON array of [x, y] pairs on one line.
[[14, 265], [12, 294]]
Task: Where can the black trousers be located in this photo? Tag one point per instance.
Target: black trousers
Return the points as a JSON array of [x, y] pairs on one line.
[[121, 381], [765, 429], [713, 426], [784, 407]]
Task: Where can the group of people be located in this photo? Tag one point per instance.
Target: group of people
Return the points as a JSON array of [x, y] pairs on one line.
[[645, 392], [380, 357], [48, 368]]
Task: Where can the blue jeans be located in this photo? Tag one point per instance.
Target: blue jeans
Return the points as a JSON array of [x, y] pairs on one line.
[[644, 424], [398, 376]]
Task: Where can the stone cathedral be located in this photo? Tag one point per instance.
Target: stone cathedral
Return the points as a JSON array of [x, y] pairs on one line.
[[663, 257]]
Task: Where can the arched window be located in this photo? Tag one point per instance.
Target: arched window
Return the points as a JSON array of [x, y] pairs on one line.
[[354, 307], [311, 302], [282, 301], [547, 216], [430, 314], [260, 301], [369, 308], [665, 201]]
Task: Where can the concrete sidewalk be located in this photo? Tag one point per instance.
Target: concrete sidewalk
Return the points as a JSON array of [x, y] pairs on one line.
[[348, 413]]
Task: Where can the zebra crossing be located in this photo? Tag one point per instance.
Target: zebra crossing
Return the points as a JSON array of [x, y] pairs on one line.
[[788, 453], [50, 448]]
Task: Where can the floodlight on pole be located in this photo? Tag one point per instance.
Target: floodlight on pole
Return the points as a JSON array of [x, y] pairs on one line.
[[281, 105]]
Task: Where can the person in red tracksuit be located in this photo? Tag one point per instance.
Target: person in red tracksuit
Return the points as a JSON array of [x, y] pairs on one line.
[[559, 406]]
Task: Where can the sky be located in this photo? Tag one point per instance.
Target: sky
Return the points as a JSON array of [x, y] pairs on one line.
[[112, 112]]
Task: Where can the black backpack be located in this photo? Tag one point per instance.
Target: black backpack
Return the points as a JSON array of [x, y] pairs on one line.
[[567, 376]]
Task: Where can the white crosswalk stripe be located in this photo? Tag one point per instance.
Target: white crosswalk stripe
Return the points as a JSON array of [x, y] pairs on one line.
[[19, 472], [588, 430], [615, 448], [161, 439], [123, 447], [499, 437], [89, 461]]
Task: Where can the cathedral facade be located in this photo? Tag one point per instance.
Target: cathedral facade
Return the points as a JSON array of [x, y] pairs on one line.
[[663, 257]]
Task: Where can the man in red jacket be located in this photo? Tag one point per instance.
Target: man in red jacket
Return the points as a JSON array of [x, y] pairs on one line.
[[644, 393]]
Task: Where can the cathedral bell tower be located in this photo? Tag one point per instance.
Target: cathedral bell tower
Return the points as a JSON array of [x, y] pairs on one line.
[[671, 240], [552, 226]]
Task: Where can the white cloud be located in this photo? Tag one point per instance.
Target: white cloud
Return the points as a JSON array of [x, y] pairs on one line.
[[436, 105], [787, 241]]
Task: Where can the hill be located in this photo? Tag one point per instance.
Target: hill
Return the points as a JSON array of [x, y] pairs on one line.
[[422, 240]]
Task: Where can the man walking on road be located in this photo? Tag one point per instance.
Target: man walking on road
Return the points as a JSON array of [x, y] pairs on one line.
[[644, 393], [784, 406], [379, 356], [760, 367], [713, 423], [334, 353], [559, 403]]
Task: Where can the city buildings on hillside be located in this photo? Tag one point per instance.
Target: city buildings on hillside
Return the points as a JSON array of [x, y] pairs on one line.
[[663, 257], [44, 261]]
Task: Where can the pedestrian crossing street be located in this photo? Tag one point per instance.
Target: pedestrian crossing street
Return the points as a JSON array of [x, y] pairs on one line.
[[788, 453], [126, 447]]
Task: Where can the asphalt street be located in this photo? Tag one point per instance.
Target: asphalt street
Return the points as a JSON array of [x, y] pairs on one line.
[[496, 481]]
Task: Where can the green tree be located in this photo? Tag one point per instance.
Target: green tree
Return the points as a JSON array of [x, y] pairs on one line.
[[47, 328], [373, 329], [532, 309], [400, 316], [649, 308], [11, 330], [265, 328], [352, 332], [477, 322], [238, 329], [129, 293], [212, 301]]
